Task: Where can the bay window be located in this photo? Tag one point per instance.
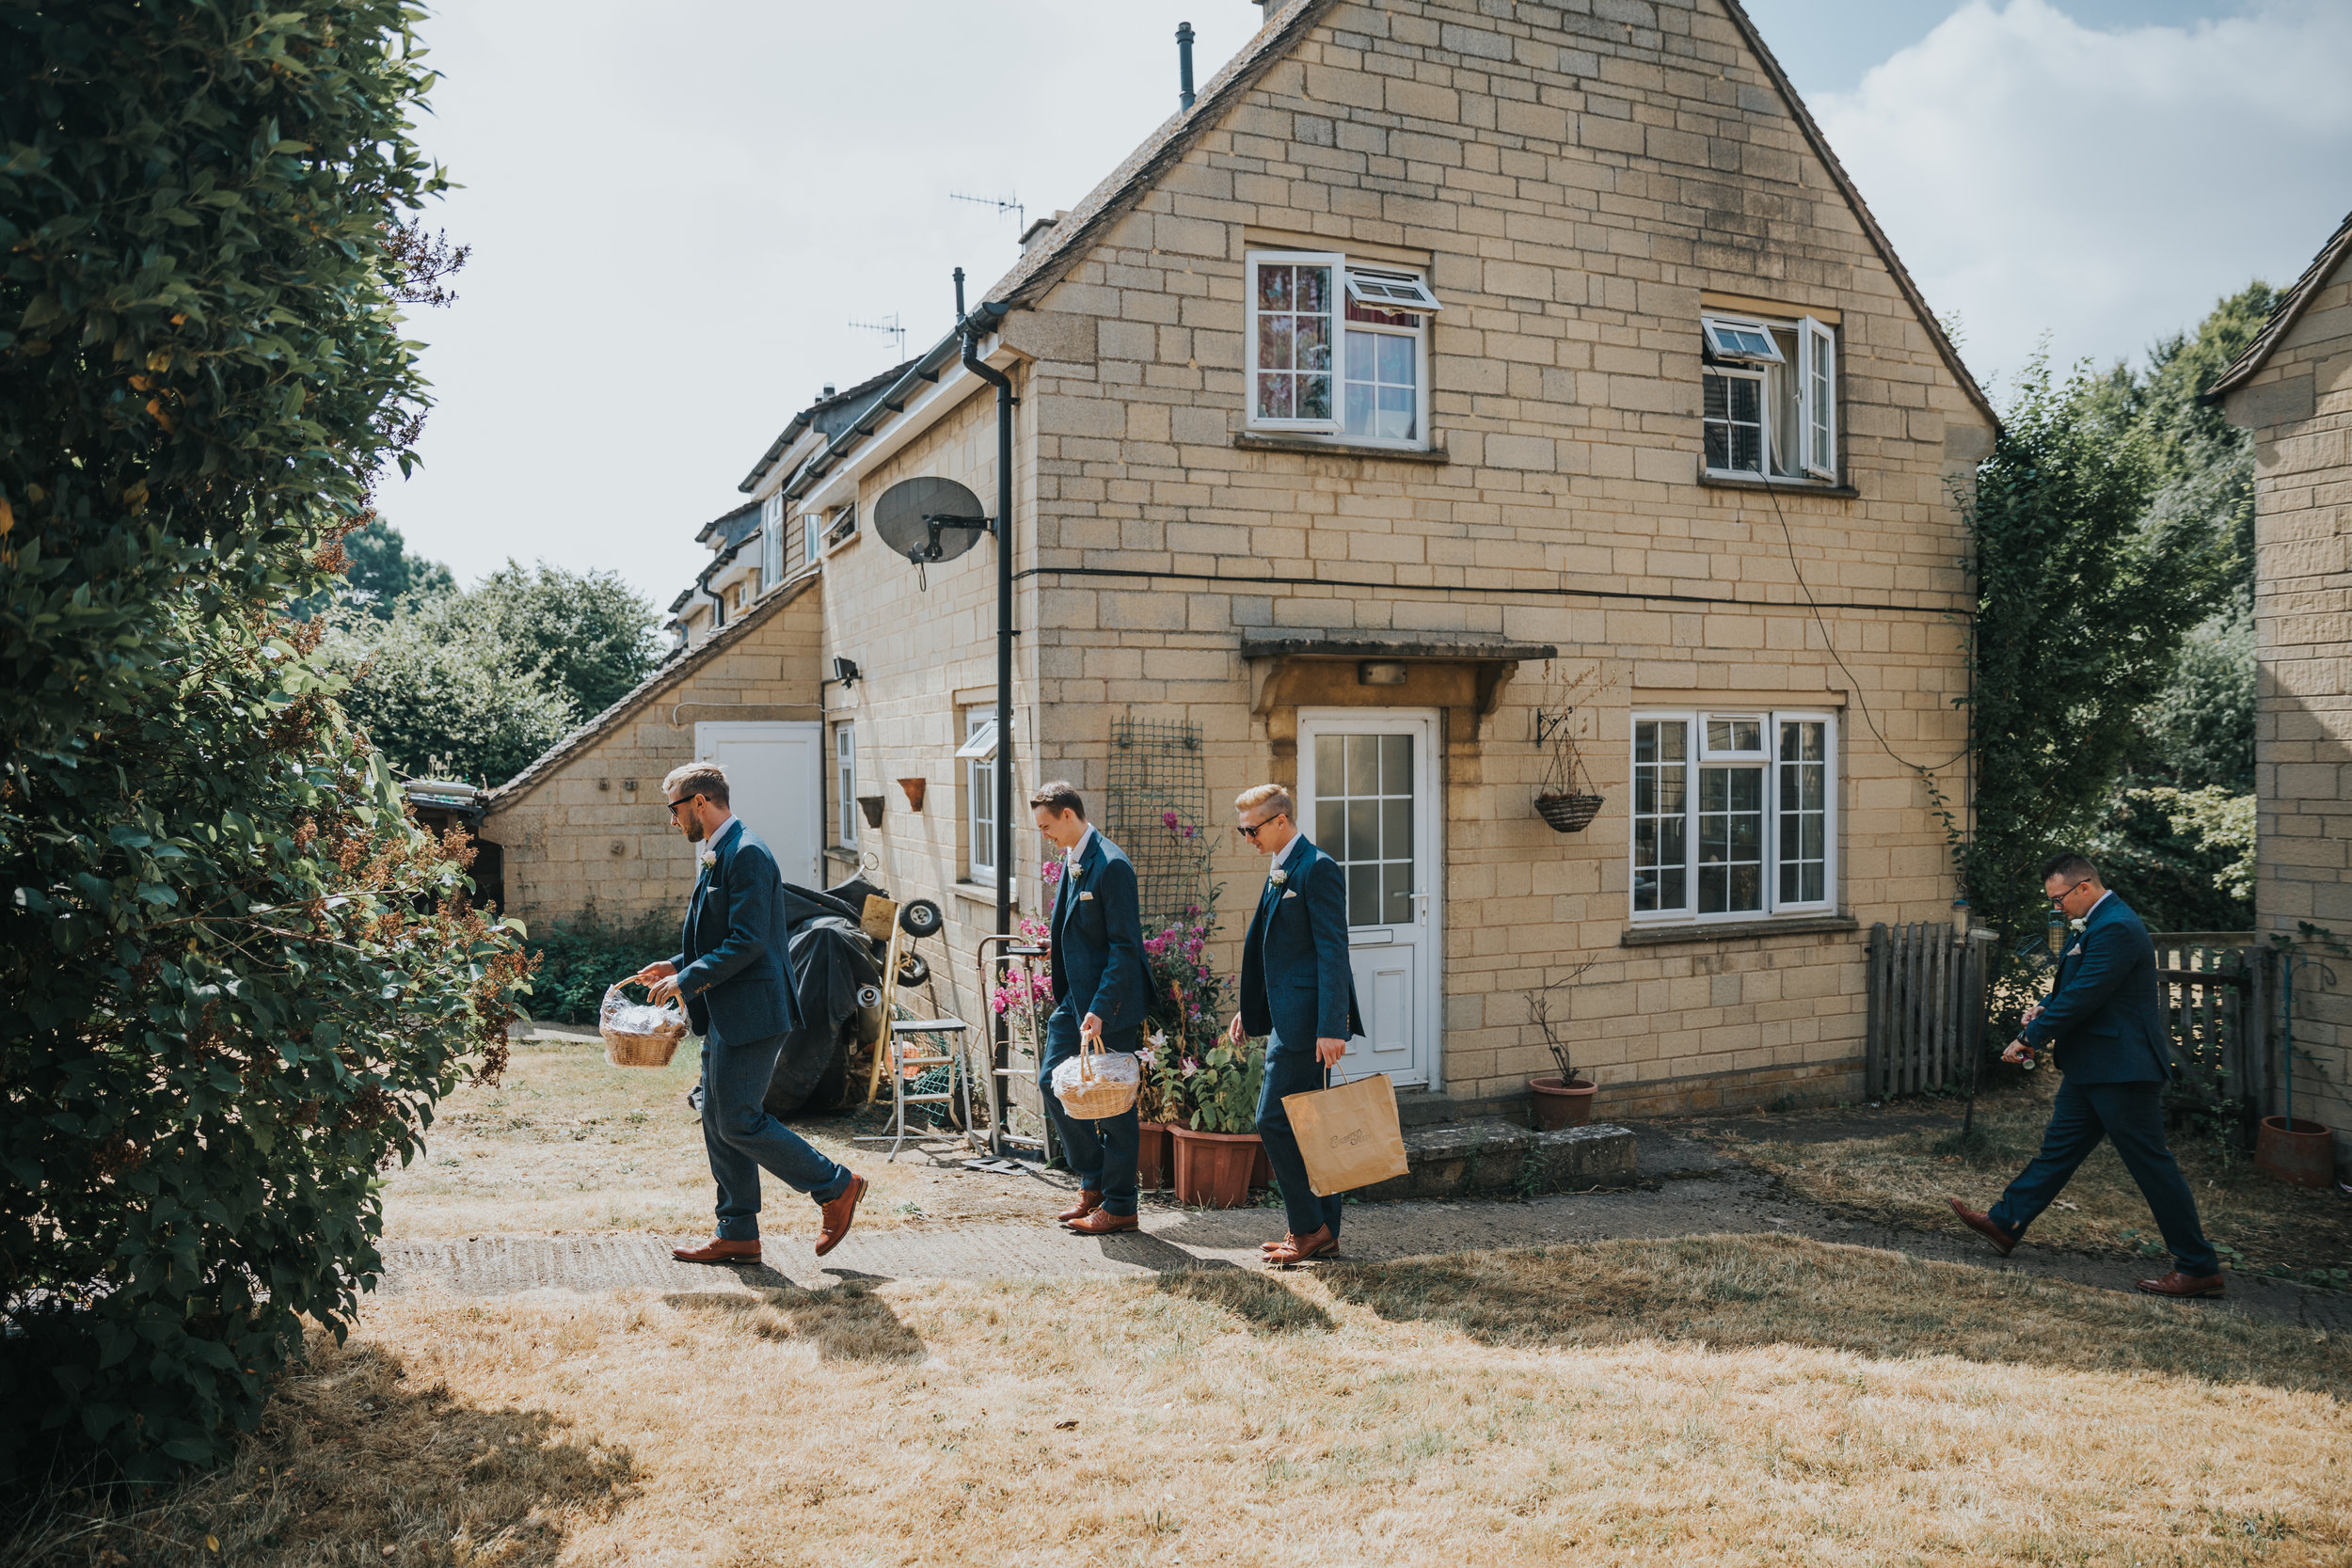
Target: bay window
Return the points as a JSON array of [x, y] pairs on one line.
[[1733, 815], [1338, 349]]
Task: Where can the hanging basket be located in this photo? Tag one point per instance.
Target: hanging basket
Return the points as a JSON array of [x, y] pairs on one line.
[[1568, 814]]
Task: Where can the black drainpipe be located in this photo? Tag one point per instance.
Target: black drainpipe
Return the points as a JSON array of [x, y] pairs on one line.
[[1183, 65], [974, 325]]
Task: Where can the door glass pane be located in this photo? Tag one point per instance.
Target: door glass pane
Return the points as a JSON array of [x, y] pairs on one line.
[[1364, 819]]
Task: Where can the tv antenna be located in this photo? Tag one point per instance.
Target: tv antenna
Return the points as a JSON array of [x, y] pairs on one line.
[[890, 328], [1002, 203]]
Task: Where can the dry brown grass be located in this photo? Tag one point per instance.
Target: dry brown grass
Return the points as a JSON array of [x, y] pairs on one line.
[[1725, 1399], [1907, 1179], [568, 1144]]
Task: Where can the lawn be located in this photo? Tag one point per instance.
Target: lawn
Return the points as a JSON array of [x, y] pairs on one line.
[[1728, 1399], [1908, 1178], [568, 1144]]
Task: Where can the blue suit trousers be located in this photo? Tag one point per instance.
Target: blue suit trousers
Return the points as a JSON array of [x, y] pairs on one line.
[[741, 1136], [1291, 1070], [2132, 1116], [1102, 1154]]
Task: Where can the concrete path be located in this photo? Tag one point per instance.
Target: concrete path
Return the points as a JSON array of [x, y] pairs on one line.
[[1706, 1198]]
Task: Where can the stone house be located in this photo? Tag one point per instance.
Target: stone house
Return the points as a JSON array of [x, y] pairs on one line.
[[1446, 367], [2293, 388]]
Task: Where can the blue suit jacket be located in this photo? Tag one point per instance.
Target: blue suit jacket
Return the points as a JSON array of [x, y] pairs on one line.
[[2103, 1015], [1097, 938], [1296, 982], [736, 972]]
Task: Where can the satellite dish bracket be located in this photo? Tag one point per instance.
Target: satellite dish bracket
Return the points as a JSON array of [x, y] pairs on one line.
[[937, 522]]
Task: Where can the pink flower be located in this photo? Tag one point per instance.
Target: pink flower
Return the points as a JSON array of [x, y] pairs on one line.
[[1050, 872], [1191, 1067]]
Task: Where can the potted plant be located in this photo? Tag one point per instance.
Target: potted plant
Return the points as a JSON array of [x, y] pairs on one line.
[[1217, 1143], [1566, 798], [1562, 1098]]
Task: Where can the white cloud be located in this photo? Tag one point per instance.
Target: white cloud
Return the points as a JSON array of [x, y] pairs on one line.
[[2105, 187]]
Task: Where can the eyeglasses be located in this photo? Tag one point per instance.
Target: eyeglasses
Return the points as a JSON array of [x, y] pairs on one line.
[[680, 801], [2058, 900], [1250, 831]]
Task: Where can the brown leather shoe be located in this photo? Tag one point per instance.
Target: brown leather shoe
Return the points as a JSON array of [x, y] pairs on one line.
[[719, 1250], [1297, 1249], [1102, 1223], [1089, 1201], [833, 1220], [2179, 1283], [1983, 1225]]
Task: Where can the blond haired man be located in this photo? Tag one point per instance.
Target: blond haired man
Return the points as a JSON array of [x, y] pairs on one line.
[[734, 974], [1297, 989]]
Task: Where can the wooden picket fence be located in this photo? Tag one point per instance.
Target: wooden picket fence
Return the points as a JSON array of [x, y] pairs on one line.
[[1925, 1018], [2213, 988]]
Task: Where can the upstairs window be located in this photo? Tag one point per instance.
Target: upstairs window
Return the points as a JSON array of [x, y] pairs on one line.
[[1733, 815], [1338, 350], [842, 529], [772, 541], [1768, 398], [978, 755], [812, 537]]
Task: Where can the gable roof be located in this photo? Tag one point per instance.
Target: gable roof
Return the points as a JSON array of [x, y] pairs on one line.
[[828, 415], [668, 674], [1117, 196], [2284, 314]]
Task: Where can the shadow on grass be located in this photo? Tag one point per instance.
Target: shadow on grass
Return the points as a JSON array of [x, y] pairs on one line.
[[845, 1321], [1262, 1302], [1728, 1291], [349, 1465]]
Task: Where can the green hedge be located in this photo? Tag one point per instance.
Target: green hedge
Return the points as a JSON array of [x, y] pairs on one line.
[[581, 955]]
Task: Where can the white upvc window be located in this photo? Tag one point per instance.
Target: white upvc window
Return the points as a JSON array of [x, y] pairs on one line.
[[845, 783], [978, 755], [1338, 349], [1768, 398], [1734, 814], [771, 542], [812, 537], [841, 528]]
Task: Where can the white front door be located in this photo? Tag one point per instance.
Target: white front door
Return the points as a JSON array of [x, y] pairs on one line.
[[1367, 783], [773, 774]]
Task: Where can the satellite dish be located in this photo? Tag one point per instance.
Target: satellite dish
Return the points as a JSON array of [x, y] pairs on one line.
[[930, 519]]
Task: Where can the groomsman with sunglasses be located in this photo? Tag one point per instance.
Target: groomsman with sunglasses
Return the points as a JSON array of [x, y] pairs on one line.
[[1297, 989]]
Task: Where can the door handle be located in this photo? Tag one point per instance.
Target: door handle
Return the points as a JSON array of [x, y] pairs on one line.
[[1420, 908]]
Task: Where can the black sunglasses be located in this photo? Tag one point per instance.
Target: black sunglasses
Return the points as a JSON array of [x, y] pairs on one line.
[[1250, 833], [680, 801]]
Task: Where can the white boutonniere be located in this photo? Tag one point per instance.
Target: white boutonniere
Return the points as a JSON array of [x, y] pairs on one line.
[[1279, 878], [2077, 925], [708, 858]]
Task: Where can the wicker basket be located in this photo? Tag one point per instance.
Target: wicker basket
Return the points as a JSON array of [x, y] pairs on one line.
[[628, 1042], [1569, 814], [1096, 1084]]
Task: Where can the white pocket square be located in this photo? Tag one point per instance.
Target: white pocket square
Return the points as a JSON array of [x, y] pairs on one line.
[[2076, 951], [1084, 897], [1290, 896]]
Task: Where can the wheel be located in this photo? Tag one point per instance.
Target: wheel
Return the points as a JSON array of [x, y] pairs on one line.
[[920, 917], [913, 970]]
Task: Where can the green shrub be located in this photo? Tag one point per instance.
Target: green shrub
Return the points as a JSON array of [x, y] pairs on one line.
[[579, 957], [234, 979]]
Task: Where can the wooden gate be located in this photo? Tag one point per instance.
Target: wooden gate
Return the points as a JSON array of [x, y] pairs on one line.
[[2209, 986], [1926, 1020]]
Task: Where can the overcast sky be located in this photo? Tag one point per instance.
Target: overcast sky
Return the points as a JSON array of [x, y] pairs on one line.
[[678, 210]]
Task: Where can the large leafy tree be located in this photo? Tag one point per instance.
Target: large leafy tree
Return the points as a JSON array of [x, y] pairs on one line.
[[379, 573], [233, 977]]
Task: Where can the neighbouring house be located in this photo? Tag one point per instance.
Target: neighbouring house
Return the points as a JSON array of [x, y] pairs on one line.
[[2293, 388], [1442, 367]]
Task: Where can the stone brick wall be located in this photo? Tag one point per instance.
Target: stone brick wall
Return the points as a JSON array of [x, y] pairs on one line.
[[2299, 406]]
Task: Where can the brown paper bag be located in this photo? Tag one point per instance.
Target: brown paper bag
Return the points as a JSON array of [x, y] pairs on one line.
[[1349, 1134]]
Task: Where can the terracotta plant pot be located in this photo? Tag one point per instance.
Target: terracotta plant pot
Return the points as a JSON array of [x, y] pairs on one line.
[[2297, 1153], [1213, 1168], [1559, 1105], [1261, 1170], [1152, 1157]]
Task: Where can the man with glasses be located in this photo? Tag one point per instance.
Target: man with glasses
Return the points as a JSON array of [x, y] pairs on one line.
[[1297, 989], [735, 973], [2103, 1025]]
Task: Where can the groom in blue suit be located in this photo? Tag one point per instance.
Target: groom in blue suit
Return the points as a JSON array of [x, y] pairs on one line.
[[1297, 989], [1100, 991], [734, 974], [2104, 1026]]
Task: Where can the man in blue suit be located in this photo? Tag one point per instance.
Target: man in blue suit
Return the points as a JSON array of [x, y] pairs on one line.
[[2103, 1025], [1100, 984], [1297, 989], [735, 973]]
